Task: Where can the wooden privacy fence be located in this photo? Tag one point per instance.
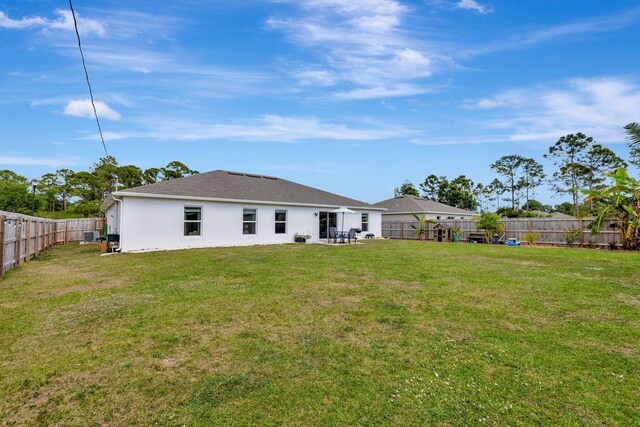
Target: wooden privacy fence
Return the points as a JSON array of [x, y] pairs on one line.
[[549, 231], [23, 237]]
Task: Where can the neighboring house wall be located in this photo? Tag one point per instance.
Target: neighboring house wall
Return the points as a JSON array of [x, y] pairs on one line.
[[149, 223], [428, 215]]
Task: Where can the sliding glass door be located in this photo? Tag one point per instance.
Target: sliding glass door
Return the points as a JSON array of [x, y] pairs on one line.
[[326, 220]]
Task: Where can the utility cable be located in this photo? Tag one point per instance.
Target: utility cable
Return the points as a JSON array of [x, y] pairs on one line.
[[86, 74]]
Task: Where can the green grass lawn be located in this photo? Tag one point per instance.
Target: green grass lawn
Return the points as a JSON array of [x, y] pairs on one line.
[[387, 332]]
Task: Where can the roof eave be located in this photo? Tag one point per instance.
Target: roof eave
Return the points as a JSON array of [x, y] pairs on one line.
[[224, 200], [431, 212]]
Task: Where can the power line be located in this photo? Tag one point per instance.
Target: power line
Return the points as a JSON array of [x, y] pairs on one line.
[[86, 74]]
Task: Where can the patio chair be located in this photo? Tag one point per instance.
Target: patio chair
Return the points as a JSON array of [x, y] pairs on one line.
[[353, 234], [333, 234]]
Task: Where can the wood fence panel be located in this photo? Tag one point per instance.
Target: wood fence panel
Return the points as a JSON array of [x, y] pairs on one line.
[[10, 229], [549, 231], [24, 237]]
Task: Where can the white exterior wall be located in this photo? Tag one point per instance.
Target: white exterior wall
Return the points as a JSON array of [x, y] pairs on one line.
[[156, 224]]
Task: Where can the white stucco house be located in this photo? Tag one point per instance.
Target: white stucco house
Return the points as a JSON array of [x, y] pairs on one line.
[[224, 208], [401, 208]]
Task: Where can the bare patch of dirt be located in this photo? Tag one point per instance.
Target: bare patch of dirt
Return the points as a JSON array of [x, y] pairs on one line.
[[631, 300], [60, 279], [96, 283], [508, 325]]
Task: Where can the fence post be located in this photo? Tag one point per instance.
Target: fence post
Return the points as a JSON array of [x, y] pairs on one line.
[[66, 230], [581, 233], [27, 242], [37, 240], [1, 245], [18, 240], [402, 230]]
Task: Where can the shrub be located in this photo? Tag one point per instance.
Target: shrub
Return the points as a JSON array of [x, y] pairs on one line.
[[571, 236], [530, 237]]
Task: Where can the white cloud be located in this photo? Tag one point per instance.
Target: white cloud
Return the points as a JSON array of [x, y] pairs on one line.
[[315, 77], [599, 107], [347, 7], [459, 140], [33, 161], [411, 58], [64, 21], [83, 108], [381, 92], [361, 44], [473, 5], [598, 24], [510, 98], [268, 127]]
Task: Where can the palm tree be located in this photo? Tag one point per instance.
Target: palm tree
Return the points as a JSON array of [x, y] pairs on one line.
[[620, 201], [633, 133], [633, 136], [489, 222], [423, 225], [457, 233]]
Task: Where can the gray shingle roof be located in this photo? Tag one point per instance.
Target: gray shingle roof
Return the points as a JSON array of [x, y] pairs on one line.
[[557, 215], [408, 204], [222, 184]]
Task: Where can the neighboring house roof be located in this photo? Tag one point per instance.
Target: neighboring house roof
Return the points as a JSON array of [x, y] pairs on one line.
[[230, 186], [557, 215], [561, 215], [412, 204]]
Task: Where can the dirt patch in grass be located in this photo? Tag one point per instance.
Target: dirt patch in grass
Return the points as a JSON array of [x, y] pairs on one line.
[[631, 300], [93, 283], [94, 310], [220, 389], [54, 392], [401, 284], [63, 279]]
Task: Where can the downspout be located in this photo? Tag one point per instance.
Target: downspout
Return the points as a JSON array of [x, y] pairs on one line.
[[120, 222]]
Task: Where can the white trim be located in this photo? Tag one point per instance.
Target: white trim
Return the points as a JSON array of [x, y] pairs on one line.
[[286, 221], [184, 221], [120, 221], [362, 223], [255, 222], [240, 201]]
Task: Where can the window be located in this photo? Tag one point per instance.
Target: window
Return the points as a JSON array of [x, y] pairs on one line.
[[437, 217], [281, 221], [365, 222], [249, 217], [192, 220]]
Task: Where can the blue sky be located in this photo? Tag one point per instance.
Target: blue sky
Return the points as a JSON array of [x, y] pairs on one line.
[[349, 96]]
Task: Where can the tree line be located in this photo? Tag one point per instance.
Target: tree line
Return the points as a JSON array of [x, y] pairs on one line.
[[581, 164], [67, 193]]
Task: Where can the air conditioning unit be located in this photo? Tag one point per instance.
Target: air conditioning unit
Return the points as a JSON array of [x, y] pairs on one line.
[[91, 236]]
